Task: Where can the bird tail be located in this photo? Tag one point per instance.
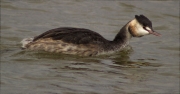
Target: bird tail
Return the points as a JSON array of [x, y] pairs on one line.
[[26, 41]]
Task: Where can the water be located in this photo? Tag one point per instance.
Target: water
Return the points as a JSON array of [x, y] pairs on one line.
[[152, 66]]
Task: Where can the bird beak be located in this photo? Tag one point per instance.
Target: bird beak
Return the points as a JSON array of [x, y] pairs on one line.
[[154, 33], [151, 31]]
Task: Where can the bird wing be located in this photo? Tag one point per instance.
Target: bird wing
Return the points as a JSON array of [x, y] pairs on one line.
[[73, 35]]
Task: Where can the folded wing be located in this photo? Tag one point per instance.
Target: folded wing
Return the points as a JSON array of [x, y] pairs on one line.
[[73, 35]]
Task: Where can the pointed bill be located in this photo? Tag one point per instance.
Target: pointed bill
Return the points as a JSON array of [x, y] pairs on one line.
[[151, 31]]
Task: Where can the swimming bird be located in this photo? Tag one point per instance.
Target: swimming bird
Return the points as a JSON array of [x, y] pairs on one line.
[[85, 42]]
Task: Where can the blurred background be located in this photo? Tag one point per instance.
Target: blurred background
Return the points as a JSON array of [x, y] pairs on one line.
[[151, 67]]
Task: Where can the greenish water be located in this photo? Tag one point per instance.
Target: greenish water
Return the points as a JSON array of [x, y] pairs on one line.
[[152, 67]]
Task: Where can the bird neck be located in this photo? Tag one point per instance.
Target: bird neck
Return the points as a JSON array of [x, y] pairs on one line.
[[121, 40], [123, 35]]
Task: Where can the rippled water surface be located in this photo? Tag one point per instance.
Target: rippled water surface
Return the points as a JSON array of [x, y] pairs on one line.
[[151, 67]]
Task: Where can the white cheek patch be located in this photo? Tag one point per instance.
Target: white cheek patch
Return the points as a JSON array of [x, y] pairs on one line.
[[147, 28], [141, 31]]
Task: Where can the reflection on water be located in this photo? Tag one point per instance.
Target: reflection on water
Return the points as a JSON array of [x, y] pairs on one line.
[[149, 66], [119, 59]]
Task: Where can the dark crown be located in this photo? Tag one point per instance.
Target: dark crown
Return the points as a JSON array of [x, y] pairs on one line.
[[144, 20]]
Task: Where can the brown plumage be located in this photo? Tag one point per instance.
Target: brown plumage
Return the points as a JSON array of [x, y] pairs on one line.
[[85, 42]]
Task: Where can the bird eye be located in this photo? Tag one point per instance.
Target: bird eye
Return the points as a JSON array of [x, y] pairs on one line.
[[144, 27]]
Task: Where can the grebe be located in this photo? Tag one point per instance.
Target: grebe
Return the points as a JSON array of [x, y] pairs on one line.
[[84, 42]]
